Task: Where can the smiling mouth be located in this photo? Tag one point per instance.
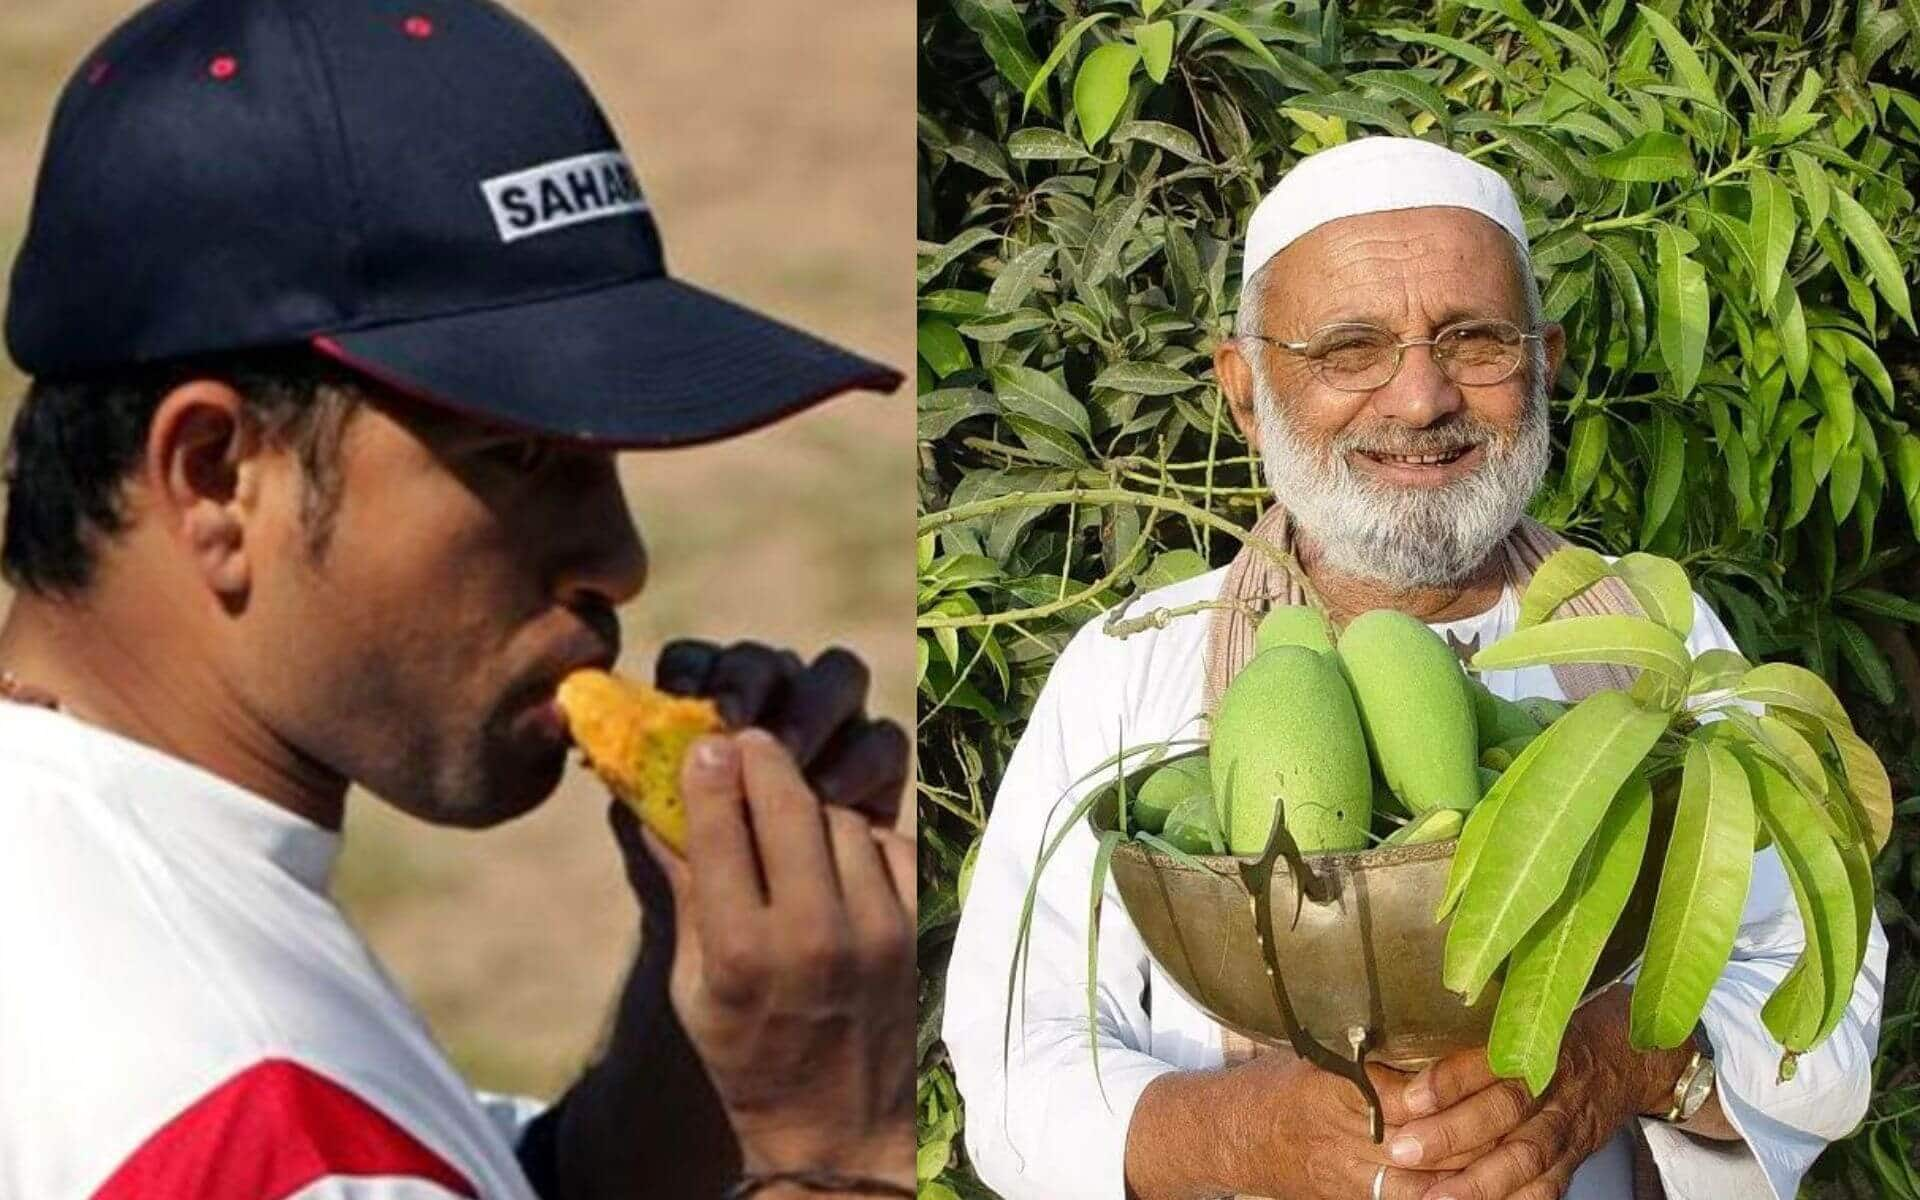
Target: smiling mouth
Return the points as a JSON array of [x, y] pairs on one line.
[[1418, 460]]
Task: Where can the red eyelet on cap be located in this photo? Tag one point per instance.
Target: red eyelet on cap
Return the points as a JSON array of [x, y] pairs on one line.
[[419, 27], [224, 67]]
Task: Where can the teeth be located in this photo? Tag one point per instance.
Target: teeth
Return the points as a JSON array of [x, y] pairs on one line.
[[1418, 460]]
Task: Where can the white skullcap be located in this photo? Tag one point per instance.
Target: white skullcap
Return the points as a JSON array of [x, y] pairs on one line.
[[1370, 175]]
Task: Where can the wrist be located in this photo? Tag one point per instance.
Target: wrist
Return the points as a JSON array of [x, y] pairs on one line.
[[1178, 1141], [883, 1154], [1661, 1074]]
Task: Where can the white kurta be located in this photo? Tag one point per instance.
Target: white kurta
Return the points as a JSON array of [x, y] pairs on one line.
[[1038, 1127]]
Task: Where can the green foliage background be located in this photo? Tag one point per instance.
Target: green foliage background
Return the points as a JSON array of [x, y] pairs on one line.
[[1720, 204]]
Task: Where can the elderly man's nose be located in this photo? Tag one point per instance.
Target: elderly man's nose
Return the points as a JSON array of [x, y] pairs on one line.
[[1420, 392]]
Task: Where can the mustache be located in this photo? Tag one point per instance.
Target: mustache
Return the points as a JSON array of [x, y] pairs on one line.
[[1458, 435]]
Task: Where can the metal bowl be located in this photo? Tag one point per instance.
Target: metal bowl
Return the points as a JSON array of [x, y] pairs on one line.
[[1359, 968]]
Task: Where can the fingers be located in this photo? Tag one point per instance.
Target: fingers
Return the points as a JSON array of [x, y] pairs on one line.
[[866, 886], [683, 667], [821, 699], [1480, 1120], [788, 829], [1396, 1184], [746, 679], [898, 853], [1449, 1081], [1531, 1162], [867, 770]]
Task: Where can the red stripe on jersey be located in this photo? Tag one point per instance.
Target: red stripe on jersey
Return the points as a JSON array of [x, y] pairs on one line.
[[271, 1130]]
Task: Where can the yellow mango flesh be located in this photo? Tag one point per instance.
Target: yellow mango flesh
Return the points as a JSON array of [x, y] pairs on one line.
[[635, 738]]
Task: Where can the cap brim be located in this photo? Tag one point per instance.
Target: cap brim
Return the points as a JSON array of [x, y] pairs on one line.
[[650, 363]]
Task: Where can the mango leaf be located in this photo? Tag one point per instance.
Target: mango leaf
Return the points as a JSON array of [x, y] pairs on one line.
[[1017, 278], [1039, 142], [1145, 379], [1586, 451], [1564, 574], [1039, 397], [1654, 157], [1464, 51], [1866, 660], [1480, 822], [1661, 587], [1824, 896], [1793, 687], [1686, 62], [1171, 566], [1408, 86], [1790, 322], [1877, 603], [1100, 88], [1906, 468], [1716, 669], [933, 259], [1663, 483], [1004, 38], [1546, 822], [1155, 40], [1061, 49], [1685, 311], [1171, 138], [1703, 888], [1882, 264], [1356, 109], [1772, 229], [943, 349], [1111, 228], [1815, 188], [1624, 641], [1626, 285], [1297, 71], [1552, 963]]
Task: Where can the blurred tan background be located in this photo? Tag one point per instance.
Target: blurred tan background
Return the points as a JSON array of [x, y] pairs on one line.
[[774, 145]]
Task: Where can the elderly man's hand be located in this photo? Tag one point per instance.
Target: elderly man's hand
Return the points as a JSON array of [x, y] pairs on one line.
[[1276, 1126], [1519, 1147]]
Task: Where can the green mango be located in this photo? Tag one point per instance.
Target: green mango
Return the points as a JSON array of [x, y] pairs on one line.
[[1163, 790], [1495, 718], [1294, 625], [1497, 758], [1437, 825], [1543, 710], [1488, 777], [1414, 707], [1186, 826], [1286, 735]]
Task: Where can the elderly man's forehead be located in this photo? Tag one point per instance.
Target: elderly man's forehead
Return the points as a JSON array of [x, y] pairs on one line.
[[1459, 248]]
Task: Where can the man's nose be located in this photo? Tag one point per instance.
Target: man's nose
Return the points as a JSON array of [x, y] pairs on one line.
[[607, 560], [1420, 393]]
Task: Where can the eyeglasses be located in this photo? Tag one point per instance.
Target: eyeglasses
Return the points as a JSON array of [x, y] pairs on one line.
[[1355, 357]]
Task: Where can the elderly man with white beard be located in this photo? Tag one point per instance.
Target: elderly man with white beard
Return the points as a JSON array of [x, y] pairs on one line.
[[1392, 369]]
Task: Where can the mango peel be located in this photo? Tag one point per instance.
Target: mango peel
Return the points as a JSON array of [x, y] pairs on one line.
[[635, 738]]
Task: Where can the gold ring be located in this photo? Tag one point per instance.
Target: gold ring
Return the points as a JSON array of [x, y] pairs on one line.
[[1380, 1184]]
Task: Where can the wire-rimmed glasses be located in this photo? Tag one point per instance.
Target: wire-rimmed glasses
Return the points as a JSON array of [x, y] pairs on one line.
[[1352, 356]]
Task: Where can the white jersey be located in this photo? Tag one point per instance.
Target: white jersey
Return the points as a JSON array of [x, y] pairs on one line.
[[186, 1012], [1041, 1126]]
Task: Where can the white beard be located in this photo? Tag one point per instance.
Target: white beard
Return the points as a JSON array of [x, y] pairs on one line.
[[1406, 538]]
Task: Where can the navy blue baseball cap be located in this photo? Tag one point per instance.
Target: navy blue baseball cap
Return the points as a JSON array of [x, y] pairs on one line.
[[423, 190]]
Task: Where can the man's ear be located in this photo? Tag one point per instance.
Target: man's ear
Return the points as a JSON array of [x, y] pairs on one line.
[[1554, 338], [202, 476], [1234, 374]]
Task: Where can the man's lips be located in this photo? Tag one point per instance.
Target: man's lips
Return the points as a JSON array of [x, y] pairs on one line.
[[1418, 470]]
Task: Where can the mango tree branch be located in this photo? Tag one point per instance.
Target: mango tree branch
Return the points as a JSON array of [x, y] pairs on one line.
[[980, 508]]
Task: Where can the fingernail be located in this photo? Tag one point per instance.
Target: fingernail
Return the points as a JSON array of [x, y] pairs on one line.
[[713, 754], [1439, 1196], [1404, 1150]]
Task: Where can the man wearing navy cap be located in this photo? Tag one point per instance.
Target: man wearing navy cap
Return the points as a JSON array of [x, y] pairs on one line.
[[337, 312]]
